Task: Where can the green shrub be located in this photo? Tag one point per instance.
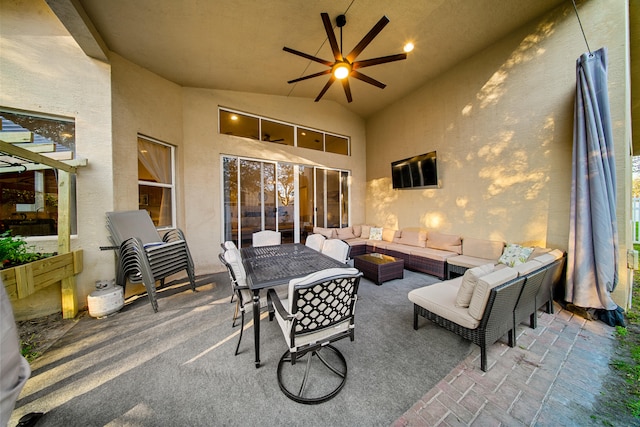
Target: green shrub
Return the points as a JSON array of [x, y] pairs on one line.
[[15, 251]]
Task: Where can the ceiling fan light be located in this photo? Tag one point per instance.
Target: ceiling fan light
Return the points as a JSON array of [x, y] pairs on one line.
[[340, 71]]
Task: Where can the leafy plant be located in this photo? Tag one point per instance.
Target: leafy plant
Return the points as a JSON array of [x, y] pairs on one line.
[[14, 250]]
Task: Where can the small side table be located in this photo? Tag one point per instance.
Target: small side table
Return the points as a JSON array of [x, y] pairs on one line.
[[379, 268]]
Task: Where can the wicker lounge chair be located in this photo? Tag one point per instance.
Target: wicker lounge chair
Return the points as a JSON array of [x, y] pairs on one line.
[[496, 321]]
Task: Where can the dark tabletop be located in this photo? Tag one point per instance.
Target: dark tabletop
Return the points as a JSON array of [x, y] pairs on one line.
[[268, 266]]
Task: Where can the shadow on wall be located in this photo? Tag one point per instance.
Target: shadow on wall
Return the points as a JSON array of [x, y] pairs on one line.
[[508, 178]]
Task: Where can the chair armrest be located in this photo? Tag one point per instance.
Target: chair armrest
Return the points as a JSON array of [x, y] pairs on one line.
[[173, 235], [273, 300]]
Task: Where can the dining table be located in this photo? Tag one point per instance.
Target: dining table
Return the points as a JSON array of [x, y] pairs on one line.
[[269, 266]]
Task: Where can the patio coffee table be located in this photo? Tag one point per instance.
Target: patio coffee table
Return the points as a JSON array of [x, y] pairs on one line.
[[379, 268]]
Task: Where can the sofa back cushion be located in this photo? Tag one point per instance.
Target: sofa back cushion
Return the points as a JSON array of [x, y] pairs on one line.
[[445, 242], [482, 248], [527, 267], [329, 233], [413, 238], [469, 281], [483, 288], [388, 235], [345, 233]]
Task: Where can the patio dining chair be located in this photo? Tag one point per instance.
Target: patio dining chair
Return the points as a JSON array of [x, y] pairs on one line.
[[315, 241], [318, 311], [232, 260], [145, 257], [336, 249], [266, 238]]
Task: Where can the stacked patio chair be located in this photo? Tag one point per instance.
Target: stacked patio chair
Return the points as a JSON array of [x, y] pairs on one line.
[[144, 256]]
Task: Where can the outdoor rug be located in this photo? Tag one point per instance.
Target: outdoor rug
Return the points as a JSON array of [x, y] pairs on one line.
[[176, 367]]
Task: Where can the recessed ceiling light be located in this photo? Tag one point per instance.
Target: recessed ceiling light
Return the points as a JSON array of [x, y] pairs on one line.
[[234, 117], [408, 47]]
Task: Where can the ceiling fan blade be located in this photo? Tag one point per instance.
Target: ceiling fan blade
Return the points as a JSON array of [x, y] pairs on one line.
[[347, 89], [331, 36], [325, 88], [367, 79], [321, 73], [367, 39], [380, 60], [307, 56]]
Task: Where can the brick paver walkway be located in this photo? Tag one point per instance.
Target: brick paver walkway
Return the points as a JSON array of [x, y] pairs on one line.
[[552, 377]]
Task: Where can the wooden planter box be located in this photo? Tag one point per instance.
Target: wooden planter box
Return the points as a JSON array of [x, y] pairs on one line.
[[24, 280]]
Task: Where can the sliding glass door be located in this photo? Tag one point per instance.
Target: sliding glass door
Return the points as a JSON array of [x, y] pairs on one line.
[[261, 195]]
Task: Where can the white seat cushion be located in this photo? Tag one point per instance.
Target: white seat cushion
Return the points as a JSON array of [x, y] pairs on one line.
[[440, 299]]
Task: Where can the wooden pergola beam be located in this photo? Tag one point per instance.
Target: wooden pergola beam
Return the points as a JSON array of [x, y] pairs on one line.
[[20, 152]]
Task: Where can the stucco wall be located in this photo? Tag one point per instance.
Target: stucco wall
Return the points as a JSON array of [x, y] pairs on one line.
[[188, 119], [42, 70], [203, 147], [502, 124]]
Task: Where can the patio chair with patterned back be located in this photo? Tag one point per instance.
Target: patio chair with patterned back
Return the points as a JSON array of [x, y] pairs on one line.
[[145, 257], [318, 311]]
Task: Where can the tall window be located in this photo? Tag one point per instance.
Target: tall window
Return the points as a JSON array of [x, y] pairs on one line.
[[156, 178], [29, 192], [289, 198]]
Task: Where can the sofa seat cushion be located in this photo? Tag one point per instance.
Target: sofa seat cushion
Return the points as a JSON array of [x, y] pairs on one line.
[[434, 254], [482, 248], [445, 242], [483, 288], [396, 247], [469, 261], [440, 299], [411, 237], [356, 241], [469, 281]]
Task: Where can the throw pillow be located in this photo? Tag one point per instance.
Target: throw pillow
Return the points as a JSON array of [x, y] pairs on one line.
[[469, 281], [375, 233], [357, 230], [365, 231], [515, 254]]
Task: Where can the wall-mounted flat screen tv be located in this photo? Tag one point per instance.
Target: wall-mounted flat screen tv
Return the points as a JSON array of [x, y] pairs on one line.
[[417, 171]]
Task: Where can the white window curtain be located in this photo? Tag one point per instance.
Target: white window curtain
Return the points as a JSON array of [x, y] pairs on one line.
[[157, 159]]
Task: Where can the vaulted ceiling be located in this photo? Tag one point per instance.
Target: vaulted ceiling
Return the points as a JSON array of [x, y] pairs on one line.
[[237, 44]]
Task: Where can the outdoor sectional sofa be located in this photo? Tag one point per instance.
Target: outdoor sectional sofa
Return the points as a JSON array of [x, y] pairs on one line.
[[423, 251], [426, 251]]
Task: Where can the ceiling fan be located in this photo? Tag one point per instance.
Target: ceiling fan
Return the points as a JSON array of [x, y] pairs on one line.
[[346, 66]]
